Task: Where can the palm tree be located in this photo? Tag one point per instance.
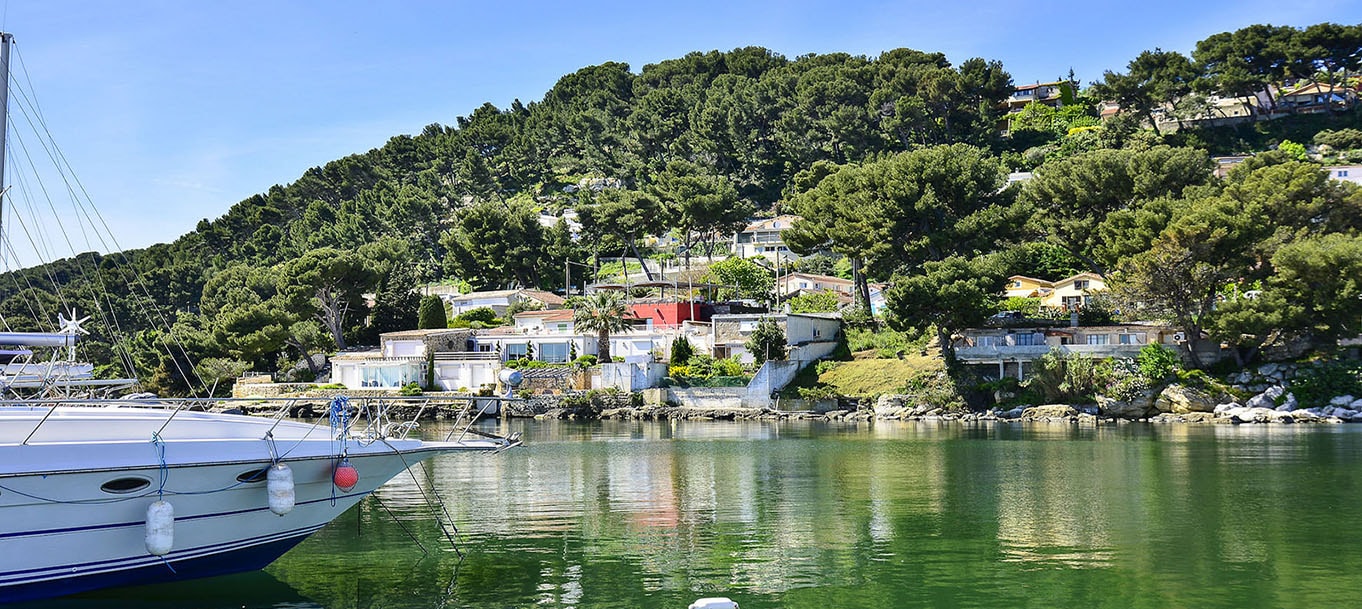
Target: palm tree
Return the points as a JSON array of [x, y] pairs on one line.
[[602, 313]]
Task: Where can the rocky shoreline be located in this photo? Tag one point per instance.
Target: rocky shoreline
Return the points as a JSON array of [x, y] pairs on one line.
[[1045, 413]]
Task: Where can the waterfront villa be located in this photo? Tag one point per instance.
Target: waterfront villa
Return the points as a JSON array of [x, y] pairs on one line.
[[1010, 351], [402, 358]]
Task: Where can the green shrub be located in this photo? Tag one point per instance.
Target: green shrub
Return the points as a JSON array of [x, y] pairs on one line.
[[483, 314], [1065, 378], [585, 361], [767, 341], [410, 389], [1315, 385], [728, 367], [1029, 307], [1126, 379], [888, 343], [825, 366], [681, 351], [818, 393], [1157, 362]]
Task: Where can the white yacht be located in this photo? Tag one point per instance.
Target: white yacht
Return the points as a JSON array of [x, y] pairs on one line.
[[99, 495], [114, 492]]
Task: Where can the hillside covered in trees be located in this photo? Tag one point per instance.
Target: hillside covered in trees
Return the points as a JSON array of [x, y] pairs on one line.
[[897, 162]]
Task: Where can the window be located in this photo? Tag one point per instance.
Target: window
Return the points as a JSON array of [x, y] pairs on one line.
[[1343, 173], [1026, 340], [1072, 302], [562, 327], [1016, 284], [554, 353], [1080, 284], [988, 341], [1131, 339], [1098, 339], [517, 351]]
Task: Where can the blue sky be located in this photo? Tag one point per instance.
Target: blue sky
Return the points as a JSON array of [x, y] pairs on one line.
[[172, 111]]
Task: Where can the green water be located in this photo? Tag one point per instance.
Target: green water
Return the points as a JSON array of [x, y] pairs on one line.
[[658, 514]]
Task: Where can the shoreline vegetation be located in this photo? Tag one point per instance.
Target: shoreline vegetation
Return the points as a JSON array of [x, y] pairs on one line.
[[935, 179]]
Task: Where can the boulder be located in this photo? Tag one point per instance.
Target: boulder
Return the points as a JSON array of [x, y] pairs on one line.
[[1015, 413], [1226, 407], [1268, 369], [1342, 400], [1289, 402], [1198, 417], [1179, 399], [1138, 408], [1266, 399], [1250, 415], [1049, 411], [1302, 415]]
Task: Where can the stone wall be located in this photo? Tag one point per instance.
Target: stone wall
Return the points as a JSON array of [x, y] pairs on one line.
[[707, 397]]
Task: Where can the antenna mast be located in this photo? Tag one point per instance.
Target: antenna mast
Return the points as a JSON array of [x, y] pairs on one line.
[[6, 39]]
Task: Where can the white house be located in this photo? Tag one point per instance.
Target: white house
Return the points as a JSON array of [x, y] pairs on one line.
[[762, 238], [795, 284], [808, 336], [551, 336], [402, 358], [499, 300]]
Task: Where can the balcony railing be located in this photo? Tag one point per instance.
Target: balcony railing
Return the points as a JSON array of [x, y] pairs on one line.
[[1030, 352]]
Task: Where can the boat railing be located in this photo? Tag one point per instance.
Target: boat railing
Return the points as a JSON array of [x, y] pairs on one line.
[[369, 418]]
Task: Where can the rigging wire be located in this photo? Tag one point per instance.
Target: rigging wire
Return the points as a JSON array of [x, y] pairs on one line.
[[107, 317], [85, 210], [86, 206]]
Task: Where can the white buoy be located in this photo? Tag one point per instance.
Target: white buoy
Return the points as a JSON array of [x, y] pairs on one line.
[[160, 528], [280, 486], [714, 603]]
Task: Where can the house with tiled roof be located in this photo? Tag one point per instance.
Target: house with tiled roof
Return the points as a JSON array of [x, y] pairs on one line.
[[1316, 97], [1069, 293], [500, 300], [762, 238]]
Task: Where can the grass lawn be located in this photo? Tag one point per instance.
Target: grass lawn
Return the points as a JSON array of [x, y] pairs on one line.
[[866, 375]]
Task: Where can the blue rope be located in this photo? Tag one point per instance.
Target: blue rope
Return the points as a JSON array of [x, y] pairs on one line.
[[340, 419], [160, 447]]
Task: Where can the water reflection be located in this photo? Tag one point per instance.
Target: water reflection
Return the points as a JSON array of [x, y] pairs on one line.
[[632, 514]]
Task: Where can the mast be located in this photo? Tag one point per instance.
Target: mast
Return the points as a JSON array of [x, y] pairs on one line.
[[6, 39]]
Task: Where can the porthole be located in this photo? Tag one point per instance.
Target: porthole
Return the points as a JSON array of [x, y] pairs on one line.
[[123, 486], [255, 475]]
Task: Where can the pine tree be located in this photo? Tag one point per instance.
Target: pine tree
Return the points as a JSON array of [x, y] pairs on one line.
[[432, 313]]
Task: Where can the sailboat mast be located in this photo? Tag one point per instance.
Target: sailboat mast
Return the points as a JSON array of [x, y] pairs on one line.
[[6, 39]]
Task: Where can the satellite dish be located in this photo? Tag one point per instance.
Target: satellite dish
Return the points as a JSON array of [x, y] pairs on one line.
[[511, 377]]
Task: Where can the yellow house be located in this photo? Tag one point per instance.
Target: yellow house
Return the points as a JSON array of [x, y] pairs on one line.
[[1066, 294], [1021, 286]]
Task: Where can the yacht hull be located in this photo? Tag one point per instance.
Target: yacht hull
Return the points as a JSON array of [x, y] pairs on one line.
[[69, 530]]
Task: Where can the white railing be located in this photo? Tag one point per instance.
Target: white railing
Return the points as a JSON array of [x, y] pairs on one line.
[[465, 356], [1030, 352]]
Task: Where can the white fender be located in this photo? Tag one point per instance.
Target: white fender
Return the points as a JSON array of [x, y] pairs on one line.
[[160, 528], [280, 486]]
